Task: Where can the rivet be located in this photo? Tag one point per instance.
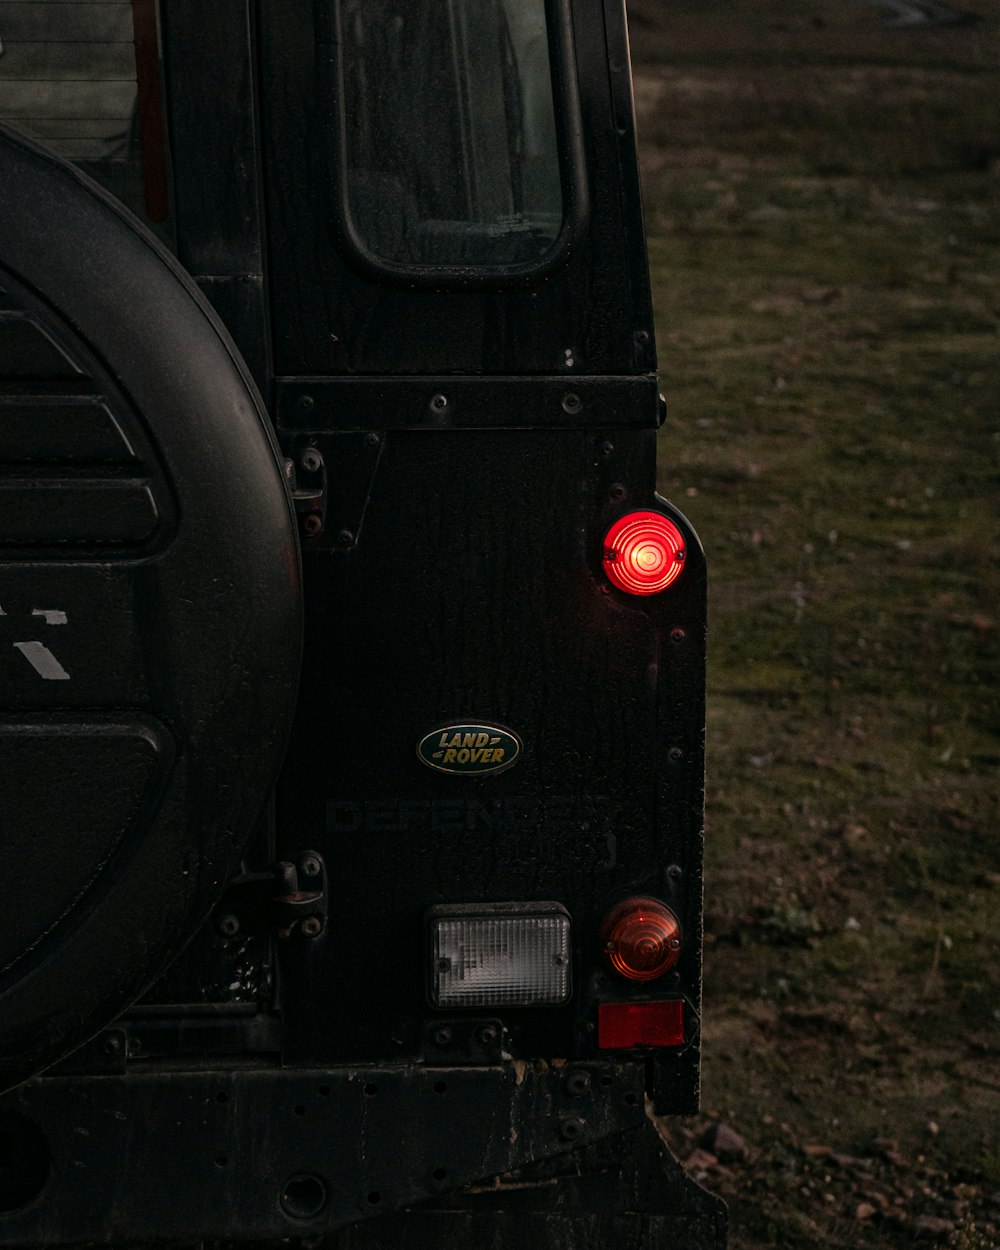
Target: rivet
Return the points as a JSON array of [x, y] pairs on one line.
[[571, 402], [228, 925], [577, 1083]]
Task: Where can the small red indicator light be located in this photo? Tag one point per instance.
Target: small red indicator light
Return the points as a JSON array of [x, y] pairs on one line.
[[621, 1026], [643, 553], [642, 939]]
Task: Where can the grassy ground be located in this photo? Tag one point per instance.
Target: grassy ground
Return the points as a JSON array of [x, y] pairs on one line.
[[823, 205]]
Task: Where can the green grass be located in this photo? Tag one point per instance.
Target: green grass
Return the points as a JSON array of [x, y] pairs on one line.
[[824, 247]]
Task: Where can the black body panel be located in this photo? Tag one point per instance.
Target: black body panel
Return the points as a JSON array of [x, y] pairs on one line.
[[491, 609]]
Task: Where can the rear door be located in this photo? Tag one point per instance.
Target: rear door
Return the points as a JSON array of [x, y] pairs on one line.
[[463, 353]]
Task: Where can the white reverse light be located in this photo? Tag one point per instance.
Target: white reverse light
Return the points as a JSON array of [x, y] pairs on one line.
[[499, 955]]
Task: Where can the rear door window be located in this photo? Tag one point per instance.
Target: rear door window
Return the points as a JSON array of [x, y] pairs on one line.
[[448, 133]]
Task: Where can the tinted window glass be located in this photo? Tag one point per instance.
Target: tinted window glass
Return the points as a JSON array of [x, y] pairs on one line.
[[450, 131], [82, 77]]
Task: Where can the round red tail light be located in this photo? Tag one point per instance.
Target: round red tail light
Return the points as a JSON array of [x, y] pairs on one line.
[[643, 553], [642, 939]]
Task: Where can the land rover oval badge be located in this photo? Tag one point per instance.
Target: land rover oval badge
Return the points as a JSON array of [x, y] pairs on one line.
[[469, 749]]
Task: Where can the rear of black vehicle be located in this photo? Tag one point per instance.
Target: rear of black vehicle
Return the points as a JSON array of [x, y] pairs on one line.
[[452, 932]]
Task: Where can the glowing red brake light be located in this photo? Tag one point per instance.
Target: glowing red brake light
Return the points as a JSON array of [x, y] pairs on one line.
[[643, 553], [642, 939]]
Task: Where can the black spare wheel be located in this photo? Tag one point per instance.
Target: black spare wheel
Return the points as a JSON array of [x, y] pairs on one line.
[[150, 608]]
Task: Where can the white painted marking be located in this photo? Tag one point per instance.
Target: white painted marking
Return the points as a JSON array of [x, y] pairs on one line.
[[53, 616], [42, 661]]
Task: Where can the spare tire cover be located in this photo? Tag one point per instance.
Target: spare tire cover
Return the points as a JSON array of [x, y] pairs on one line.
[[150, 608]]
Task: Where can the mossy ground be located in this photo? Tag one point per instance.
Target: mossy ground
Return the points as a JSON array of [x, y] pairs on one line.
[[823, 208]]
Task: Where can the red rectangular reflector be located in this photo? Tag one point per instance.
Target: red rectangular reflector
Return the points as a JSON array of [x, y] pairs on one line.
[[622, 1025]]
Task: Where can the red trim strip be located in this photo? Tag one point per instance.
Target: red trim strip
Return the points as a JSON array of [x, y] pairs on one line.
[[152, 123]]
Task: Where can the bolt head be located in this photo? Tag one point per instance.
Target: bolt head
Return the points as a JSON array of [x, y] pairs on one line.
[[442, 1036], [312, 524], [311, 867], [570, 1129], [312, 926], [577, 1083], [571, 402]]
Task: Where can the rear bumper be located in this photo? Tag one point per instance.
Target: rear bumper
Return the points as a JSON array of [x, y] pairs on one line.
[[254, 1154]]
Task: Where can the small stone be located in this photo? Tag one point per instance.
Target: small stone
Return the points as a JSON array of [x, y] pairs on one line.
[[932, 1226], [701, 1161], [864, 1211], [724, 1141]]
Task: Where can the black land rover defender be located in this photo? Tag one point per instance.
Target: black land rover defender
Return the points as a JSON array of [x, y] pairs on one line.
[[351, 715]]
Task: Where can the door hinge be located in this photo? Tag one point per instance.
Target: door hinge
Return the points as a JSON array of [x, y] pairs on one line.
[[289, 897]]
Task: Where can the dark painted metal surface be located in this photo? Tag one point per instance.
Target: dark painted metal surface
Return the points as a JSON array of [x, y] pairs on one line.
[[490, 606], [267, 1154], [215, 129], [626, 1192]]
